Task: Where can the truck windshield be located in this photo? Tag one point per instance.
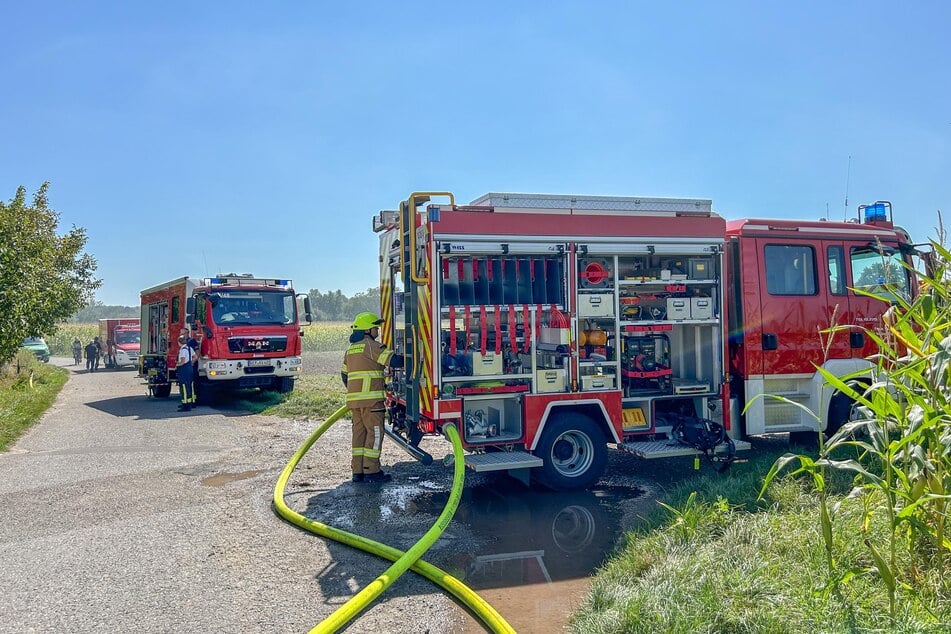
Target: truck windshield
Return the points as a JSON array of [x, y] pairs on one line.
[[253, 307], [882, 274], [127, 336]]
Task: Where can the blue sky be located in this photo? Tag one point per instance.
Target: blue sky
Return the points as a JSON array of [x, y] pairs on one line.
[[191, 138]]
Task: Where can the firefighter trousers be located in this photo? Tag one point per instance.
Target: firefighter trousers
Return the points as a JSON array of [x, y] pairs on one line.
[[367, 438]]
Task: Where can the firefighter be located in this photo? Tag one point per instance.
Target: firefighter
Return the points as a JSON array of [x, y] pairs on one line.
[[185, 373], [362, 373]]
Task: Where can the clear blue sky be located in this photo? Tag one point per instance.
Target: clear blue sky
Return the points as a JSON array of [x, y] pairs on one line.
[[191, 138]]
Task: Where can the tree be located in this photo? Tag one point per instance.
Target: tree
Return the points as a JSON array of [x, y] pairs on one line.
[[335, 306], [44, 277]]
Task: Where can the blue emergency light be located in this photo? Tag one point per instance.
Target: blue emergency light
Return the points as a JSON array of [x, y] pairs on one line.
[[879, 211], [875, 213]]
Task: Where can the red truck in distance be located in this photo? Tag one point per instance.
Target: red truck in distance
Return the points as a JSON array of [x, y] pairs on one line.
[[120, 342]]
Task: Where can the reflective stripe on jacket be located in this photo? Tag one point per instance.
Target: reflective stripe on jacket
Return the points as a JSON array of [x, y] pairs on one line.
[[363, 364]]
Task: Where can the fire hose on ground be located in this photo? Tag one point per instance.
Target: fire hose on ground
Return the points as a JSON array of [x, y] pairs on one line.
[[401, 561]]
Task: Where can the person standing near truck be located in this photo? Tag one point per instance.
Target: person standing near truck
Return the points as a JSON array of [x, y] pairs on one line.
[[92, 351], [362, 373], [185, 374]]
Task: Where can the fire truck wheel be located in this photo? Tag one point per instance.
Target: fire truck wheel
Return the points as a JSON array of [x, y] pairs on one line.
[[840, 412], [206, 394], [574, 453], [285, 385], [162, 391]]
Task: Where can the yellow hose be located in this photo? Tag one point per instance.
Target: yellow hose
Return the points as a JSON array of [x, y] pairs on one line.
[[402, 561]]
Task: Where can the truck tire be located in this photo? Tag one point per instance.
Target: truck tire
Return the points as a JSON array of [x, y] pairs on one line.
[[284, 385], [162, 391], [574, 453], [206, 393], [840, 412]]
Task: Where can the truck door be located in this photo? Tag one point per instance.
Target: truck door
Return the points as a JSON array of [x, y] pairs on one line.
[[787, 303]]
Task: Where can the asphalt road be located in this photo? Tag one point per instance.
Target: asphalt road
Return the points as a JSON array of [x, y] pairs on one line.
[[118, 513]]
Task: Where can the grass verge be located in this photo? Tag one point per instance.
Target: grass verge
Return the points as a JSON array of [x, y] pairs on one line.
[[315, 397], [27, 389], [718, 560]]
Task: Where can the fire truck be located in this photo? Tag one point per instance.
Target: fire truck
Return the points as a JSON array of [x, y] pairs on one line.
[[247, 329], [547, 328], [123, 335]]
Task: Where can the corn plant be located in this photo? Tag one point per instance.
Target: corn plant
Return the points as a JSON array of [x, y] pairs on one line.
[[902, 434]]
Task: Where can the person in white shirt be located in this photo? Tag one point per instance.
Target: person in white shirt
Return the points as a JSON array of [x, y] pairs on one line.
[[185, 373]]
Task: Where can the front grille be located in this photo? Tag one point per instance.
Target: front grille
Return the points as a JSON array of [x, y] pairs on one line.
[[258, 344]]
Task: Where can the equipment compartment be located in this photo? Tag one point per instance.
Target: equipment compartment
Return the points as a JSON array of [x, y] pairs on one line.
[[491, 419]]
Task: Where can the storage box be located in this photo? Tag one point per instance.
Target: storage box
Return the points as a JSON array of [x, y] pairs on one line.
[[550, 381], [700, 268], [701, 308], [489, 363], [554, 336], [597, 382], [678, 308], [596, 305]]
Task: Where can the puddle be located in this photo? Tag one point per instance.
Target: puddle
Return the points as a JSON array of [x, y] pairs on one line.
[[530, 553], [221, 479]]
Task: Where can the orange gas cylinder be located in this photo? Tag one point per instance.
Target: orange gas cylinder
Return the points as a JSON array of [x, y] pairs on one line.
[[582, 337], [596, 337]]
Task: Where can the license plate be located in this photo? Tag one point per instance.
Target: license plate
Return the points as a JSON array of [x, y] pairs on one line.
[[256, 363]]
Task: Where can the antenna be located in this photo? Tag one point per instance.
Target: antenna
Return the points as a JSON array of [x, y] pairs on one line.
[[848, 176], [203, 257]]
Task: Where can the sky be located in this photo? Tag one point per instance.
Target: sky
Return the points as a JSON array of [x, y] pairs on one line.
[[196, 138]]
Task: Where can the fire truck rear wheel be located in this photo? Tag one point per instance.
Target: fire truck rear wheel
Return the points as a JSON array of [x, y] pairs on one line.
[[574, 453], [162, 391]]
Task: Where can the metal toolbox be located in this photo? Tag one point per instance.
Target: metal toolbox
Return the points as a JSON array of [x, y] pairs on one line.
[[678, 308], [550, 380], [596, 305], [597, 382], [701, 308], [554, 336], [486, 364]]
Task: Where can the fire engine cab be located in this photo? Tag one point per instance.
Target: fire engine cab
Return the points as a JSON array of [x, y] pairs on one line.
[[547, 327]]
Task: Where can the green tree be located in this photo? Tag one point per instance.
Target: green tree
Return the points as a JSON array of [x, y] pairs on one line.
[[44, 277], [335, 306]]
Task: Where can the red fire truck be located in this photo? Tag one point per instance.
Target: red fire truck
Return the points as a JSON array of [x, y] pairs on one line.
[[547, 328], [247, 328], [123, 336]]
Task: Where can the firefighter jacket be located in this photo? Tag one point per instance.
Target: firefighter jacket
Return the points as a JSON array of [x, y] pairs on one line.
[[363, 366]]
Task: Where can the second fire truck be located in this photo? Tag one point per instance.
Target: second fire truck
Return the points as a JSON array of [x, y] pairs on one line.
[[247, 328], [548, 328]]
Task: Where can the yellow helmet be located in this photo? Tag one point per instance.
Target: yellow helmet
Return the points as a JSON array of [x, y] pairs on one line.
[[365, 321]]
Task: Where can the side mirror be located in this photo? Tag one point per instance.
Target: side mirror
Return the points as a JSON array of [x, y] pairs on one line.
[[308, 313], [190, 310]]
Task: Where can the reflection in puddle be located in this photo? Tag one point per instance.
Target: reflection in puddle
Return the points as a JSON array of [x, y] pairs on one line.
[[542, 544], [221, 479]]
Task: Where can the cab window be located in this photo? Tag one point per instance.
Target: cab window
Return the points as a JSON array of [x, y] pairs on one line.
[[835, 263], [790, 269]]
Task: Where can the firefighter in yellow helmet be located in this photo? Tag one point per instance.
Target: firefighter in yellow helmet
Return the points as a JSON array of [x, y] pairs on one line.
[[362, 373]]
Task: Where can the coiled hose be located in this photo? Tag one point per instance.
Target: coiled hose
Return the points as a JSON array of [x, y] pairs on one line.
[[402, 561]]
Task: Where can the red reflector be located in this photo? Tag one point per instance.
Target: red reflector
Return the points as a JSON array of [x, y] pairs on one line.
[[427, 426]]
